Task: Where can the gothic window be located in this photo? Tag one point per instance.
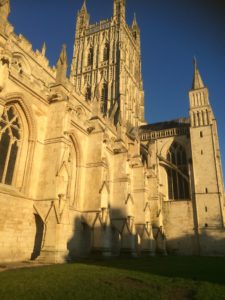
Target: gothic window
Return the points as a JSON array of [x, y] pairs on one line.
[[90, 57], [178, 182], [106, 52], [10, 136], [104, 98], [88, 94]]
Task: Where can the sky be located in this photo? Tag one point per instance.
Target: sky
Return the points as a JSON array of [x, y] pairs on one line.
[[172, 33]]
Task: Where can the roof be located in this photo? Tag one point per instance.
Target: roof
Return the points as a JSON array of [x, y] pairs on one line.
[[177, 123]]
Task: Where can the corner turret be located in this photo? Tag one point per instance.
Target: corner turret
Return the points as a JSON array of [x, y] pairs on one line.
[[135, 30], [119, 10], [83, 18], [4, 10]]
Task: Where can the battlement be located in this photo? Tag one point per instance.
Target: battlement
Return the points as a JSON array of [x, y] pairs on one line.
[[102, 25]]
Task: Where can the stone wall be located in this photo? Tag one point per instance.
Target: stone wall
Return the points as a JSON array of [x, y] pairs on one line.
[[17, 228], [179, 227]]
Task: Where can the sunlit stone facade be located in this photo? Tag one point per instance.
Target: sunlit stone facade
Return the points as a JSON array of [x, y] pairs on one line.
[[81, 172]]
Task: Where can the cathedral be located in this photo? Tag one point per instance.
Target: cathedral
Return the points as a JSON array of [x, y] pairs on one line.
[[81, 171]]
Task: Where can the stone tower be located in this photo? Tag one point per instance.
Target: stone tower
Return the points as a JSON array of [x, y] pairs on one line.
[[106, 66], [208, 187]]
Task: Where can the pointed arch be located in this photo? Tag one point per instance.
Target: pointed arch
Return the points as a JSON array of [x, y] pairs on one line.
[[18, 98], [17, 142], [178, 185]]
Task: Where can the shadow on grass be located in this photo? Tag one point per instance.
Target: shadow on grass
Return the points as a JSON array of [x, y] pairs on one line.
[[208, 269]]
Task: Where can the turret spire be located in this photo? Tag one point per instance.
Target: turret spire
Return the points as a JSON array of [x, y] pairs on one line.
[[134, 23], [84, 6], [82, 18], [197, 80], [135, 30]]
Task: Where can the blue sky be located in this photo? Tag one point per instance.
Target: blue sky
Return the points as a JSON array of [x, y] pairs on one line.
[[172, 32]]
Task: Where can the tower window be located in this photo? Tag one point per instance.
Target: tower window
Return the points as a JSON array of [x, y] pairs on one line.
[[10, 135], [104, 98], [177, 172], [206, 190], [201, 134], [106, 52], [88, 94], [90, 57]]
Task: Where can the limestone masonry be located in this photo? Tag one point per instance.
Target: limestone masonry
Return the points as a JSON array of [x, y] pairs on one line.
[[81, 172]]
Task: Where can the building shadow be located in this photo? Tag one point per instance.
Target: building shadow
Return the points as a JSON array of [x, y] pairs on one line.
[[192, 267], [38, 237]]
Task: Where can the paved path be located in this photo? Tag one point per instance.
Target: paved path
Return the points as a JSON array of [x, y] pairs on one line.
[[20, 265]]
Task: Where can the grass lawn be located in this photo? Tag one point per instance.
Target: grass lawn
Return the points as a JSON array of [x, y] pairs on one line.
[[163, 278]]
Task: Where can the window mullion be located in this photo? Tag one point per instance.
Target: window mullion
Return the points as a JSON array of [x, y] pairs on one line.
[[7, 160]]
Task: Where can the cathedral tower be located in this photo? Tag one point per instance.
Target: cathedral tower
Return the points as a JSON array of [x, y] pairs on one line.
[[106, 66], [207, 171]]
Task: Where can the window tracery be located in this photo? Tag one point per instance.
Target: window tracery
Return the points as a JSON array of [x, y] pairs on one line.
[[10, 137], [178, 178]]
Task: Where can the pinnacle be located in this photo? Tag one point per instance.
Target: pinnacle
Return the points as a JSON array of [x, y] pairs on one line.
[[134, 20], [134, 23], [63, 56], [43, 50], [84, 6]]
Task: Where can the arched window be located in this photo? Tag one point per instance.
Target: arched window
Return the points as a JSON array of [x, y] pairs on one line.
[[10, 137], [88, 94], [90, 57], [177, 171], [106, 52], [104, 98]]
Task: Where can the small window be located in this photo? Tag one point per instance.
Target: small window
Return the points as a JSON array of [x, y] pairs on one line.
[[206, 225], [201, 134], [106, 52], [90, 57], [201, 152], [206, 190], [88, 94], [206, 209], [104, 98]]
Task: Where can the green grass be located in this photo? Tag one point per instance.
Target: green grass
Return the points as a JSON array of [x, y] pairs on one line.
[[165, 278]]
